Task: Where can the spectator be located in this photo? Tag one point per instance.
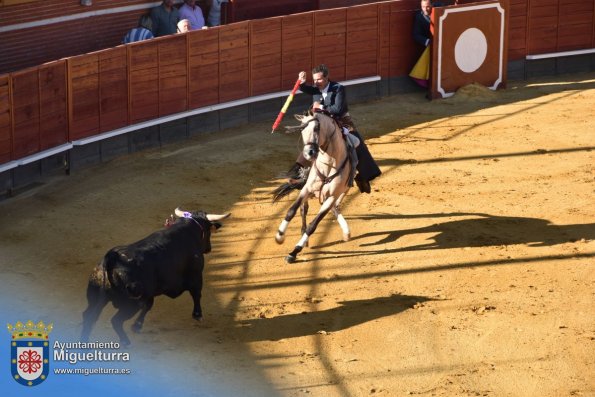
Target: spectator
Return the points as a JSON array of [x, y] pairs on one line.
[[184, 26], [214, 18], [141, 32], [192, 13], [421, 24], [165, 18], [422, 34]]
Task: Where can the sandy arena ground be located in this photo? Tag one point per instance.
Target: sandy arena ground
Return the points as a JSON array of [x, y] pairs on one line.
[[470, 271]]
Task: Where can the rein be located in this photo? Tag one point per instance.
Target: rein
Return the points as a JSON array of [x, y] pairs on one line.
[[329, 179]]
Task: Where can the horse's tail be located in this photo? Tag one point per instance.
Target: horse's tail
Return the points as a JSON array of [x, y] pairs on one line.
[[287, 188], [297, 175]]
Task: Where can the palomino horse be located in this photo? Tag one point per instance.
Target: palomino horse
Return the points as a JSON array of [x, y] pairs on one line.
[[325, 146]]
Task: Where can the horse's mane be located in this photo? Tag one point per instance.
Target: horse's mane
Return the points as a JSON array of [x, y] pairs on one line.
[[325, 120]]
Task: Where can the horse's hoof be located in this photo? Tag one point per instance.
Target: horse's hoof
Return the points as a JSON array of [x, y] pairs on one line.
[[197, 316], [347, 237], [279, 239], [290, 259]]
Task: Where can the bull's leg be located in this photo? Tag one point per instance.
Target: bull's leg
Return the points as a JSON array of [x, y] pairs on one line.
[[140, 320], [280, 237], [196, 287], [97, 300], [304, 212], [324, 209], [342, 222], [128, 309]]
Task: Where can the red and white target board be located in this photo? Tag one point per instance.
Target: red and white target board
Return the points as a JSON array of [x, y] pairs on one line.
[[470, 46]]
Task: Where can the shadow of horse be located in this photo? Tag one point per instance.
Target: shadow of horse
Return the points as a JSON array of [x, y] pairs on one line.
[[483, 231], [348, 314]]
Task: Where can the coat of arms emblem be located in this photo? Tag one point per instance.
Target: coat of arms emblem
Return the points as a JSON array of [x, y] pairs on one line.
[[29, 352]]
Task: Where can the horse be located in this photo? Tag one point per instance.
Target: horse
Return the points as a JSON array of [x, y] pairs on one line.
[[329, 178]]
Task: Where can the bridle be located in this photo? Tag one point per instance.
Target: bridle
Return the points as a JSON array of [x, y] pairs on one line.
[[316, 135]]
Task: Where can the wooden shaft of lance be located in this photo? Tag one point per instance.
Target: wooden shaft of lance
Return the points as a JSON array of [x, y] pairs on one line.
[[286, 105]]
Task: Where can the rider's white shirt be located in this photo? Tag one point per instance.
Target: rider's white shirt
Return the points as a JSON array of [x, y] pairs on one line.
[[325, 91]]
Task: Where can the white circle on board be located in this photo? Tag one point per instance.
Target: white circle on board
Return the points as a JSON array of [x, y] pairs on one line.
[[471, 50]]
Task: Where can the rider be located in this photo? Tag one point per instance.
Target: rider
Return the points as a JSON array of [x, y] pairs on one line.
[[329, 96]]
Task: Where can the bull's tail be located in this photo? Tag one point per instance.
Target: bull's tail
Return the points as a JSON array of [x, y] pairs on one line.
[[96, 301], [109, 263], [100, 281]]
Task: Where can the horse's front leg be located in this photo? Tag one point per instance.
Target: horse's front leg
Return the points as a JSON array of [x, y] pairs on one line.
[[304, 212], [324, 209], [280, 236]]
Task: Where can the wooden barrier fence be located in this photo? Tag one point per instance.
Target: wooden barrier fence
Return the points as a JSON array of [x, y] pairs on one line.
[[83, 96], [244, 10], [86, 95], [5, 120]]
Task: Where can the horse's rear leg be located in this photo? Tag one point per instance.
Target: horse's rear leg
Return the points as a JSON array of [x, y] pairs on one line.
[[324, 209], [342, 223], [280, 236]]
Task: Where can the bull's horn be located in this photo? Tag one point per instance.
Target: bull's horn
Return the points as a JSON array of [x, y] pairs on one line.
[[214, 218], [182, 214]]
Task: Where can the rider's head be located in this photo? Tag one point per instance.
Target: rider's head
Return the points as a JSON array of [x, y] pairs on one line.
[[426, 7], [320, 76]]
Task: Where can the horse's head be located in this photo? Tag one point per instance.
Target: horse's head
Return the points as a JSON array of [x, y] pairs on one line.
[[313, 138]]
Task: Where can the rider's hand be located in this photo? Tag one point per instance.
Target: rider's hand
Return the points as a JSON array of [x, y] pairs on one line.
[[302, 77]]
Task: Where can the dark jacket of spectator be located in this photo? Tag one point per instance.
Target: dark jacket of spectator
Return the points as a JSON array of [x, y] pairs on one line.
[[421, 29], [165, 19]]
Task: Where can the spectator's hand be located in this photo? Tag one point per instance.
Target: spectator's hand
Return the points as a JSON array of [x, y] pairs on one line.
[[302, 76]]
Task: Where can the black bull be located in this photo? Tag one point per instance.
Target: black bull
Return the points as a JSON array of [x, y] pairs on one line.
[[167, 262]]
